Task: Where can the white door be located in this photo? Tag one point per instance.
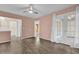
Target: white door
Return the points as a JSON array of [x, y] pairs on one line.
[[15, 27]]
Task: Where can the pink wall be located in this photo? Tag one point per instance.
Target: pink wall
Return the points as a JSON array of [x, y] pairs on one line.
[[45, 27], [27, 28], [5, 36]]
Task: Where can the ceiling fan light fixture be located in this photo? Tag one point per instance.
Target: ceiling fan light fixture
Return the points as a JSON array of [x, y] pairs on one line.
[[30, 11]]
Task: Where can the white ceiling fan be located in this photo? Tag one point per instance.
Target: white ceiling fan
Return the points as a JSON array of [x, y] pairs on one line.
[[30, 9]]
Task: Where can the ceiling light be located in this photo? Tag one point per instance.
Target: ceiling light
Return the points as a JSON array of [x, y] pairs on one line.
[[2, 17], [72, 16], [30, 11], [69, 17]]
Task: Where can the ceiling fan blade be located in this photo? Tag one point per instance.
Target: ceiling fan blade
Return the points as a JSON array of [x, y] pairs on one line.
[[35, 12], [25, 11]]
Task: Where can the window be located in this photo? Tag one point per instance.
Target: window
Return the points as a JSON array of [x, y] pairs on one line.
[[71, 26], [59, 27], [11, 24]]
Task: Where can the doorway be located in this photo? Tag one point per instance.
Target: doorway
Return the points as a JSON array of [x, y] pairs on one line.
[[37, 28], [37, 32]]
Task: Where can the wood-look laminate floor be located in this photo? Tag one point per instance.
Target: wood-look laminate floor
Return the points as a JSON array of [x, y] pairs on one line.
[[33, 46]]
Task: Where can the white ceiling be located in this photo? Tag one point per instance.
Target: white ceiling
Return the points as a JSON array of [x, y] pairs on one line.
[[44, 9]]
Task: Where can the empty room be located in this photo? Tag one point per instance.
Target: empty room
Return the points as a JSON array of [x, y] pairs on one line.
[[39, 28]]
